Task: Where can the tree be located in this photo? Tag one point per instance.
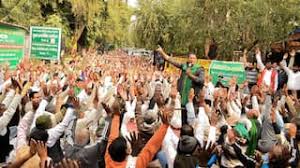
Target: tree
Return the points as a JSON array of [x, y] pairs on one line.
[[84, 23], [184, 26]]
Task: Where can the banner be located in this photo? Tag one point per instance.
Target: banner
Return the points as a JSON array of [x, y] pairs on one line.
[[227, 70], [11, 56], [202, 62], [45, 43], [12, 44]]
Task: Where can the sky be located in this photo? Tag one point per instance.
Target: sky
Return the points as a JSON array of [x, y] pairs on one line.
[[132, 3]]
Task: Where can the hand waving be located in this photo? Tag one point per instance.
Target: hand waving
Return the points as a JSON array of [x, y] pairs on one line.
[[191, 95], [133, 140], [166, 114], [122, 92]]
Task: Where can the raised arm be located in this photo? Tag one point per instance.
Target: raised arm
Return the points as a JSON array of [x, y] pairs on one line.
[[191, 117], [114, 133], [4, 85], [167, 58], [283, 65], [202, 125], [58, 130], [292, 59], [9, 113], [23, 129], [260, 64], [151, 147], [92, 116], [9, 97]]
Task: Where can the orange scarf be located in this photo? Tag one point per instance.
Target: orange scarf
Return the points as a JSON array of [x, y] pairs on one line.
[[273, 75]]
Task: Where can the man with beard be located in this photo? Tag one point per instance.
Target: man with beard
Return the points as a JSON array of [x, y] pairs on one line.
[[192, 76], [269, 74]]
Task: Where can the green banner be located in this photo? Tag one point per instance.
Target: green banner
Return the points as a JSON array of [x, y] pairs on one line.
[[45, 42], [11, 56], [12, 44], [227, 70], [10, 35]]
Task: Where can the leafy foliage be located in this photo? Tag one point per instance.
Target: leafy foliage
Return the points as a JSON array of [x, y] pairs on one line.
[[183, 26], [84, 23]]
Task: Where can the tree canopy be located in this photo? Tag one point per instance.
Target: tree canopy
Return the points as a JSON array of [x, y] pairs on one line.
[[184, 26], [85, 23], [181, 26]]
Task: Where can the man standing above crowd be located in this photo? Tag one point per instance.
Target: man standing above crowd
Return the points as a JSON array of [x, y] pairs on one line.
[[269, 74], [192, 76]]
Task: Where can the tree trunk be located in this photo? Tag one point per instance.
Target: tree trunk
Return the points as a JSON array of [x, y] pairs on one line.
[[77, 34]]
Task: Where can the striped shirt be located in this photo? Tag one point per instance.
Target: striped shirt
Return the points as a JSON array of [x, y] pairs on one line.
[[251, 75]]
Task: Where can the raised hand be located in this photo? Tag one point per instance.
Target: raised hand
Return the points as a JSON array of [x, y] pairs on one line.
[[173, 93], [106, 108], [257, 51], [68, 163], [293, 52], [41, 149], [285, 56], [211, 139], [15, 84], [75, 102], [159, 49], [191, 95], [122, 92], [273, 115], [245, 51], [214, 118], [166, 114], [133, 140]]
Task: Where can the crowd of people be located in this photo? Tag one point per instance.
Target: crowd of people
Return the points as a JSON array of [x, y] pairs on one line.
[[117, 111]]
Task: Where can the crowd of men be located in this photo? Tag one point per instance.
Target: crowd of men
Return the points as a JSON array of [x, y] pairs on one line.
[[117, 111]]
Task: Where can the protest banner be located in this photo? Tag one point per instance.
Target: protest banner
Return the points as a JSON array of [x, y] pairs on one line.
[[227, 70]]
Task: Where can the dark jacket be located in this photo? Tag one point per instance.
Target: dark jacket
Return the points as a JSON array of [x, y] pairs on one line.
[[87, 156]]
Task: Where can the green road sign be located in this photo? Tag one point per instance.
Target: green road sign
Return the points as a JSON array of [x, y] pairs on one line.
[[45, 42], [10, 55], [12, 44], [227, 70]]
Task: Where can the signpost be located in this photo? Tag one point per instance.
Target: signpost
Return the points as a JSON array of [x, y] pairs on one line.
[[12, 44], [45, 43], [228, 70]]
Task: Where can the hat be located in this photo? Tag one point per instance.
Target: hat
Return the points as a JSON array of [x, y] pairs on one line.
[[187, 144], [43, 122], [241, 130]]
